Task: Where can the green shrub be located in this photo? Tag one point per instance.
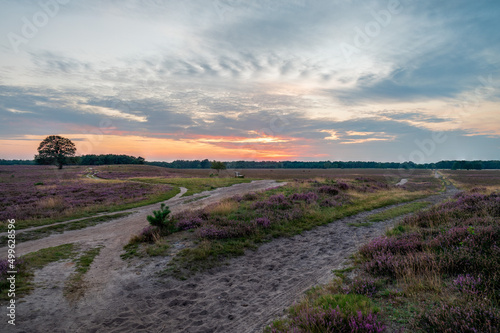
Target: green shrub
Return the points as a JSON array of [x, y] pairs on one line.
[[161, 220]]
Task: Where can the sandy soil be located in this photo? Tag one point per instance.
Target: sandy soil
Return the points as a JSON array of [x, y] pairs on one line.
[[402, 182], [243, 296]]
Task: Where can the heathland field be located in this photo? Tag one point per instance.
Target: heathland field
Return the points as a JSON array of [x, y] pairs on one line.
[[39, 195], [415, 255]]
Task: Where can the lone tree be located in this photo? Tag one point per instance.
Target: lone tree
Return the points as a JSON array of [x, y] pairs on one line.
[[218, 166], [55, 150]]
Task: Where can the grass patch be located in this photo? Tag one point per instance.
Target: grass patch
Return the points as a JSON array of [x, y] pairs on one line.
[[340, 273], [28, 263], [397, 230], [159, 248], [74, 287], [60, 228], [195, 185], [398, 211], [327, 309], [131, 250]]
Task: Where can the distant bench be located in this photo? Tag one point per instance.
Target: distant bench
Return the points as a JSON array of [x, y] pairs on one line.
[[238, 175]]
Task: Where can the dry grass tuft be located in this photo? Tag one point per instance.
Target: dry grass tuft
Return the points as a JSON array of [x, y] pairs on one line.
[[222, 208], [50, 203]]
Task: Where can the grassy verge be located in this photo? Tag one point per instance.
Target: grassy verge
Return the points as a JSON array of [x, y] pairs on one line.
[[74, 285], [398, 211], [60, 228], [195, 185], [437, 273], [89, 211], [29, 262]]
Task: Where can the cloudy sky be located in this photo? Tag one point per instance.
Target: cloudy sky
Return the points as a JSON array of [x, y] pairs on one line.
[[344, 80]]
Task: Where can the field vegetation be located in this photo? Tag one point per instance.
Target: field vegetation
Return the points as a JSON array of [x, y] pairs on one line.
[[474, 180], [231, 226], [40, 195], [438, 270]]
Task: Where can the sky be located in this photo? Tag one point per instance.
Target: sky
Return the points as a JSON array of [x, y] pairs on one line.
[[301, 80]]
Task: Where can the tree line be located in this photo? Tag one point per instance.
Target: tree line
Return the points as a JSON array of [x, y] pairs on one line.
[[108, 159], [103, 159], [453, 164]]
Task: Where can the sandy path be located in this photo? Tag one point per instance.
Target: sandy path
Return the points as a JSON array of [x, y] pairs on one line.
[[402, 182], [241, 297]]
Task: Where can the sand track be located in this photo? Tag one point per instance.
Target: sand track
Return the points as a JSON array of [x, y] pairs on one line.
[[243, 296]]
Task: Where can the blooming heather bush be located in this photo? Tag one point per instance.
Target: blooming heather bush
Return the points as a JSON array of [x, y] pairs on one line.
[[388, 264], [263, 222], [471, 316], [221, 229], [468, 284], [308, 197], [277, 201], [389, 245], [189, 223], [365, 179], [4, 268], [478, 189], [237, 198], [470, 250], [331, 190], [147, 234], [283, 215], [342, 186], [330, 203], [466, 206], [361, 286], [250, 196], [319, 320]]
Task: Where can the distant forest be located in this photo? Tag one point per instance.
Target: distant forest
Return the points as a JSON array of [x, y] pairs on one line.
[[109, 159]]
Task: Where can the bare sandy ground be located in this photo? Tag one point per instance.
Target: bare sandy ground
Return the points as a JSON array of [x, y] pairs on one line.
[[243, 296]]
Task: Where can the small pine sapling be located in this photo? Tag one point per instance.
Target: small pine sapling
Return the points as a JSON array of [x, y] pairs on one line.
[[161, 220]]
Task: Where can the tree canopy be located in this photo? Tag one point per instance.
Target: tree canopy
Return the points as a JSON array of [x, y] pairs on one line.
[[218, 166], [55, 149]]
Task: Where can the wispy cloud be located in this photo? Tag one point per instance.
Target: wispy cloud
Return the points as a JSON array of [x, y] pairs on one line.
[[260, 79]]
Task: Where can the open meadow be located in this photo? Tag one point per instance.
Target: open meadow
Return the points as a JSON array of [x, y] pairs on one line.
[[40, 195], [474, 180]]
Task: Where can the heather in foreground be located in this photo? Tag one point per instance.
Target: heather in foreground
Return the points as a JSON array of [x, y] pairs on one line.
[[437, 271]]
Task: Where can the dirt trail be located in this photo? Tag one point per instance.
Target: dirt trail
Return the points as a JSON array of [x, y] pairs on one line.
[[241, 297], [402, 182]]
